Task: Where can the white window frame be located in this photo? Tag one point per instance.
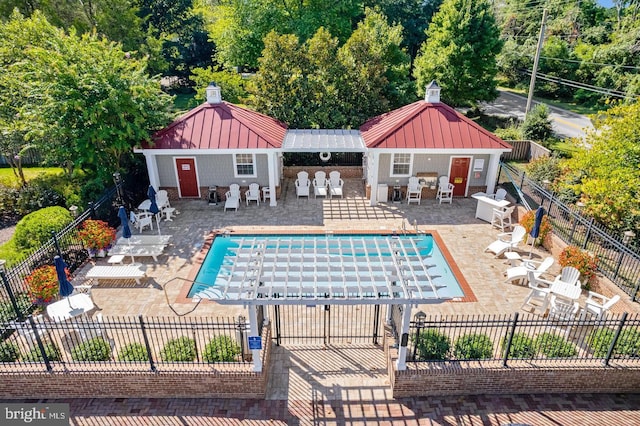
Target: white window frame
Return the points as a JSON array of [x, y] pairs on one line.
[[236, 164], [393, 162]]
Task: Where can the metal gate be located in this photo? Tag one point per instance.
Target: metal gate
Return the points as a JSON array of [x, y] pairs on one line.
[[327, 324]]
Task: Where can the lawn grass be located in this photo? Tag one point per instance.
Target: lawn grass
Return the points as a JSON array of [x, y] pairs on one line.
[[184, 102], [7, 178]]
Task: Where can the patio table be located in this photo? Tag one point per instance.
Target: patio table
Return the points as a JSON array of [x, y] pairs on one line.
[[566, 290], [70, 307]]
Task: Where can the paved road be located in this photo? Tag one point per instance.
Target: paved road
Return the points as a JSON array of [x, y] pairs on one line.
[[566, 124]]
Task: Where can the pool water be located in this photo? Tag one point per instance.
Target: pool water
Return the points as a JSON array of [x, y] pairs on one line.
[[305, 253]]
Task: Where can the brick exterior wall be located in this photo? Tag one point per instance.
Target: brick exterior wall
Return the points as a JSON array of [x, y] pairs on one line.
[[424, 379], [215, 381]]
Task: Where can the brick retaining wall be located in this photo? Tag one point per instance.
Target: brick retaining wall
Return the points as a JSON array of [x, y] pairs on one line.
[[201, 381]]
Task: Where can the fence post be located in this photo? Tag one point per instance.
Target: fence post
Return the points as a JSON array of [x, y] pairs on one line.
[[241, 326], [43, 351], [92, 210], [512, 331], [615, 339], [587, 234], [12, 297], [522, 179], [635, 291], [573, 228], [55, 243], [146, 343]]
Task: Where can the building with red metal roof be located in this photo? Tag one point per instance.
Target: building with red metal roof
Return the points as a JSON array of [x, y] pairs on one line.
[[218, 143]]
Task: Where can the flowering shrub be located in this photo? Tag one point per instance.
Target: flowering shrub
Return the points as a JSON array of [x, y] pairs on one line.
[[97, 235], [583, 261], [529, 219], [43, 284]]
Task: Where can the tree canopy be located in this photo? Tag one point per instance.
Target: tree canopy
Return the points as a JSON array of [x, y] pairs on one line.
[[81, 100], [460, 53]]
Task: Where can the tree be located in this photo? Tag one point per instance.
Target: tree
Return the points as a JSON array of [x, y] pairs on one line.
[[606, 176], [460, 52], [537, 124], [230, 82], [85, 103], [238, 27]]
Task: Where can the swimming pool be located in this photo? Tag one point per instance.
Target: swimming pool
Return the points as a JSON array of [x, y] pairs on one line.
[[312, 261]]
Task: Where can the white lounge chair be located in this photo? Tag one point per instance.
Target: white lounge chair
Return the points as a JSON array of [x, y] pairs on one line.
[[302, 184], [126, 272], [519, 273], [320, 184], [231, 201], [597, 305], [507, 241], [252, 194], [140, 250], [137, 240], [335, 184], [414, 190]]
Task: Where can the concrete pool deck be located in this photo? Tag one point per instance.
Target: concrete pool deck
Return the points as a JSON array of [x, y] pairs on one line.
[[465, 237]]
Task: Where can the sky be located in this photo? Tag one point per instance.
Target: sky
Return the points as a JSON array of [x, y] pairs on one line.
[[605, 3]]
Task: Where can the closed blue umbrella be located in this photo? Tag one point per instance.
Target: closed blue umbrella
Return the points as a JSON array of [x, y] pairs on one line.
[[153, 208], [535, 231], [65, 286], [126, 230]]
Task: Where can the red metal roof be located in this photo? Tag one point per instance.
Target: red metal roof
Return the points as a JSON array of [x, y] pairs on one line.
[[427, 125], [220, 126]]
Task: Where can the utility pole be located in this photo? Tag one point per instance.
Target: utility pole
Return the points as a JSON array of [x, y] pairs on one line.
[[532, 84]]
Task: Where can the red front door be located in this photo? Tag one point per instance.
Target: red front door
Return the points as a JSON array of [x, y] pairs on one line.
[[187, 178], [459, 175]]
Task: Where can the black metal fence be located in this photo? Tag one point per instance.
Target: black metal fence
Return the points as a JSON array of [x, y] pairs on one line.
[[122, 343], [618, 255], [530, 338], [14, 298]]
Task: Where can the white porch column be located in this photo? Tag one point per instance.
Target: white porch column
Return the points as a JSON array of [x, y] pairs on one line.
[[401, 364], [492, 172], [272, 160], [152, 169], [373, 158], [256, 354]]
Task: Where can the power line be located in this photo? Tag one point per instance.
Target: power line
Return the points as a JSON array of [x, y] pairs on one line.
[[578, 85], [590, 63]]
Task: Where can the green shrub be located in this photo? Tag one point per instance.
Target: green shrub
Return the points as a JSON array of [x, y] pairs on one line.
[[52, 351], [7, 313], [537, 125], [35, 228], [544, 168], [9, 352], [133, 352], [511, 133], [473, 346], [36, 196], [599, 341], [96, 349], [180, 349], [220, 349], [522, 346], [554, 346], [432, 345]]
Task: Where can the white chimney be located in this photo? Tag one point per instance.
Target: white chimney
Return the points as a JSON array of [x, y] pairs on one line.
[[432, 94], [213, 94]]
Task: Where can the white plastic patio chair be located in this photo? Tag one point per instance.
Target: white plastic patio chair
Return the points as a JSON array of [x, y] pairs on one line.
[[597, 305], [414, 190], [500, 194], [234, 188], [507, 241], [252, 194], [540, 291], [335, 184], [502, 217], [302, 184], [519, 273], [569, 274], [231, 201], [565, 310], [320, 184], [445, 190], [141, 220]]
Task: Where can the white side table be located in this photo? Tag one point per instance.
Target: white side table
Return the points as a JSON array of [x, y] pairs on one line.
[[116, 259], [168, 213], [266, 193], [513, 257]]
